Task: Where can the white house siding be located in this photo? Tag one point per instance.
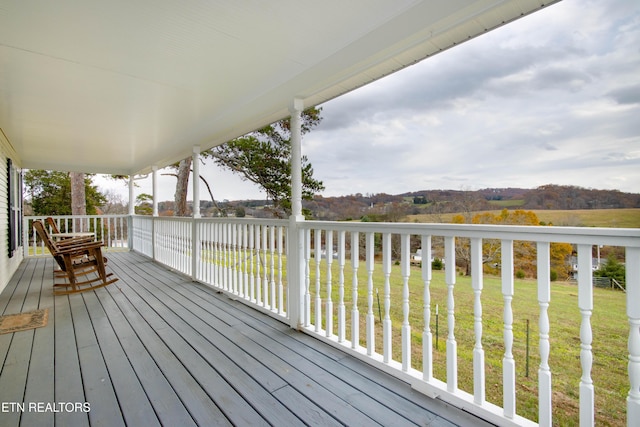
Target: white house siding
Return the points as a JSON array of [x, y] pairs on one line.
[[8, 266]]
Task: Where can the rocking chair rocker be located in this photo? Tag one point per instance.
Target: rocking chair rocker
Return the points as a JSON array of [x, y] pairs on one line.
[[76, 258]]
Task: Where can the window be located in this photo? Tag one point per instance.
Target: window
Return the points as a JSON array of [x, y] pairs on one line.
[[14, 184]]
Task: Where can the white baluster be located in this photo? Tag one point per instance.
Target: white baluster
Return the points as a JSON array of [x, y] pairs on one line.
[[272, 255], [427, 337], [245, 260], [632, 265], [280, 284], [234, 267], [258, 262], [173, 245], [199, 248], [371, 334], [585, 303], [165, 243], [355, 314], [386, 322], [318, 255], [508, 362], [188, 248], [228, 282], [265, 270], [478, 351], [544, 372], [405, 262], [307, 277], [219, 255], [214, 254], [452, 345], [342, 327], [329, 303], [252, 261], [209, 254], [223, 256], [238, 259]]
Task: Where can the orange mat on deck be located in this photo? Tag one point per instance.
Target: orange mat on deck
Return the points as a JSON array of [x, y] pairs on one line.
[[23, 321]]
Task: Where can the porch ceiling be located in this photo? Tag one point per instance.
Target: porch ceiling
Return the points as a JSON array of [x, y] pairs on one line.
[[119, 86]]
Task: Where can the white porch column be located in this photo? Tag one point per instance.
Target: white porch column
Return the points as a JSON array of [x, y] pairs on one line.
[[132, 199], [132, 212], [154, 178], [296, 157], [196, 181], [295, 265], [195, 238]]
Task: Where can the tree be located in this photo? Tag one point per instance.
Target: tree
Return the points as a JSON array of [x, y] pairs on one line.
[[525, 252], [261, 157], [78, 193], [50, 193], [144, 204], [78, 196], [115, 204], [180, 198], [612, 269]]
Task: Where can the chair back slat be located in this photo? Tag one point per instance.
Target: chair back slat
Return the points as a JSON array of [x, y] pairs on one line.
[[49, 243]]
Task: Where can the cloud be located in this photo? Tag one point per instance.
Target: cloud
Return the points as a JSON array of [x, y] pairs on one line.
[[629, 95], [553, 97]]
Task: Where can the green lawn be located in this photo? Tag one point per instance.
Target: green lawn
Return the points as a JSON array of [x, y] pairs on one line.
[[507, 203]]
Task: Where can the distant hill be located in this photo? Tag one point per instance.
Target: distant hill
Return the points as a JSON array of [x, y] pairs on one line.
[[388, 207], [548, 197]]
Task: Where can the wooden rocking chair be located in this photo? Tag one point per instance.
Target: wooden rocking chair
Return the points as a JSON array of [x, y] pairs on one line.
[[76, 258]]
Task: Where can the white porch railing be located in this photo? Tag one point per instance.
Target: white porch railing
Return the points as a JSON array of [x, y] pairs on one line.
[[384, 252], [360, 293], [113, 230]]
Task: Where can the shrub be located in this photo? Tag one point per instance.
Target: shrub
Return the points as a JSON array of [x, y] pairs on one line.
[[612, 269], [436, 264], [520, 274]]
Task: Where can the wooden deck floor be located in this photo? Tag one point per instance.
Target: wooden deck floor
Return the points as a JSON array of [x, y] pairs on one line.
[[157, 349]]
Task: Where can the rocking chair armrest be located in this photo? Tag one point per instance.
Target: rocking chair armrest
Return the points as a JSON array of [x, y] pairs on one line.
[[74, 241], [79, 248]]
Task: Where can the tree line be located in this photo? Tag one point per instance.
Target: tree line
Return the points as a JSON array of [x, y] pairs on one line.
[[386, 207]]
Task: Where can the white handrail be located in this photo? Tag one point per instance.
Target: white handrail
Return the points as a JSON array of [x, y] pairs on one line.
[[112, 230]]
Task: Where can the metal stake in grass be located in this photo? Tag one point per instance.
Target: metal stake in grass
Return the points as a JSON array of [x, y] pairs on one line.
[[379, 312], [527, 352], [436, 326]]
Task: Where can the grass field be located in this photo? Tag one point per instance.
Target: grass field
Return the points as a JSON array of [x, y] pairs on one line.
[[614, 218], [609, 323]]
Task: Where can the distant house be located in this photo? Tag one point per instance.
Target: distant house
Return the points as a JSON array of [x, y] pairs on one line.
[[416, 257]]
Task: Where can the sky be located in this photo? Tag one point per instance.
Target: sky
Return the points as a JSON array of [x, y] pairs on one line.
[[553, 98]]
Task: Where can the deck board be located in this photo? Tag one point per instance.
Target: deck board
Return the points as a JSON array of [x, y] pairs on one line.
[[40, 385], [95, 375], [156, 348], [67, 375]]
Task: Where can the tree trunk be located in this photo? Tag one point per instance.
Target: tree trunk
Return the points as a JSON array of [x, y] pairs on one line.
[[184, 169], [78, 197]]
